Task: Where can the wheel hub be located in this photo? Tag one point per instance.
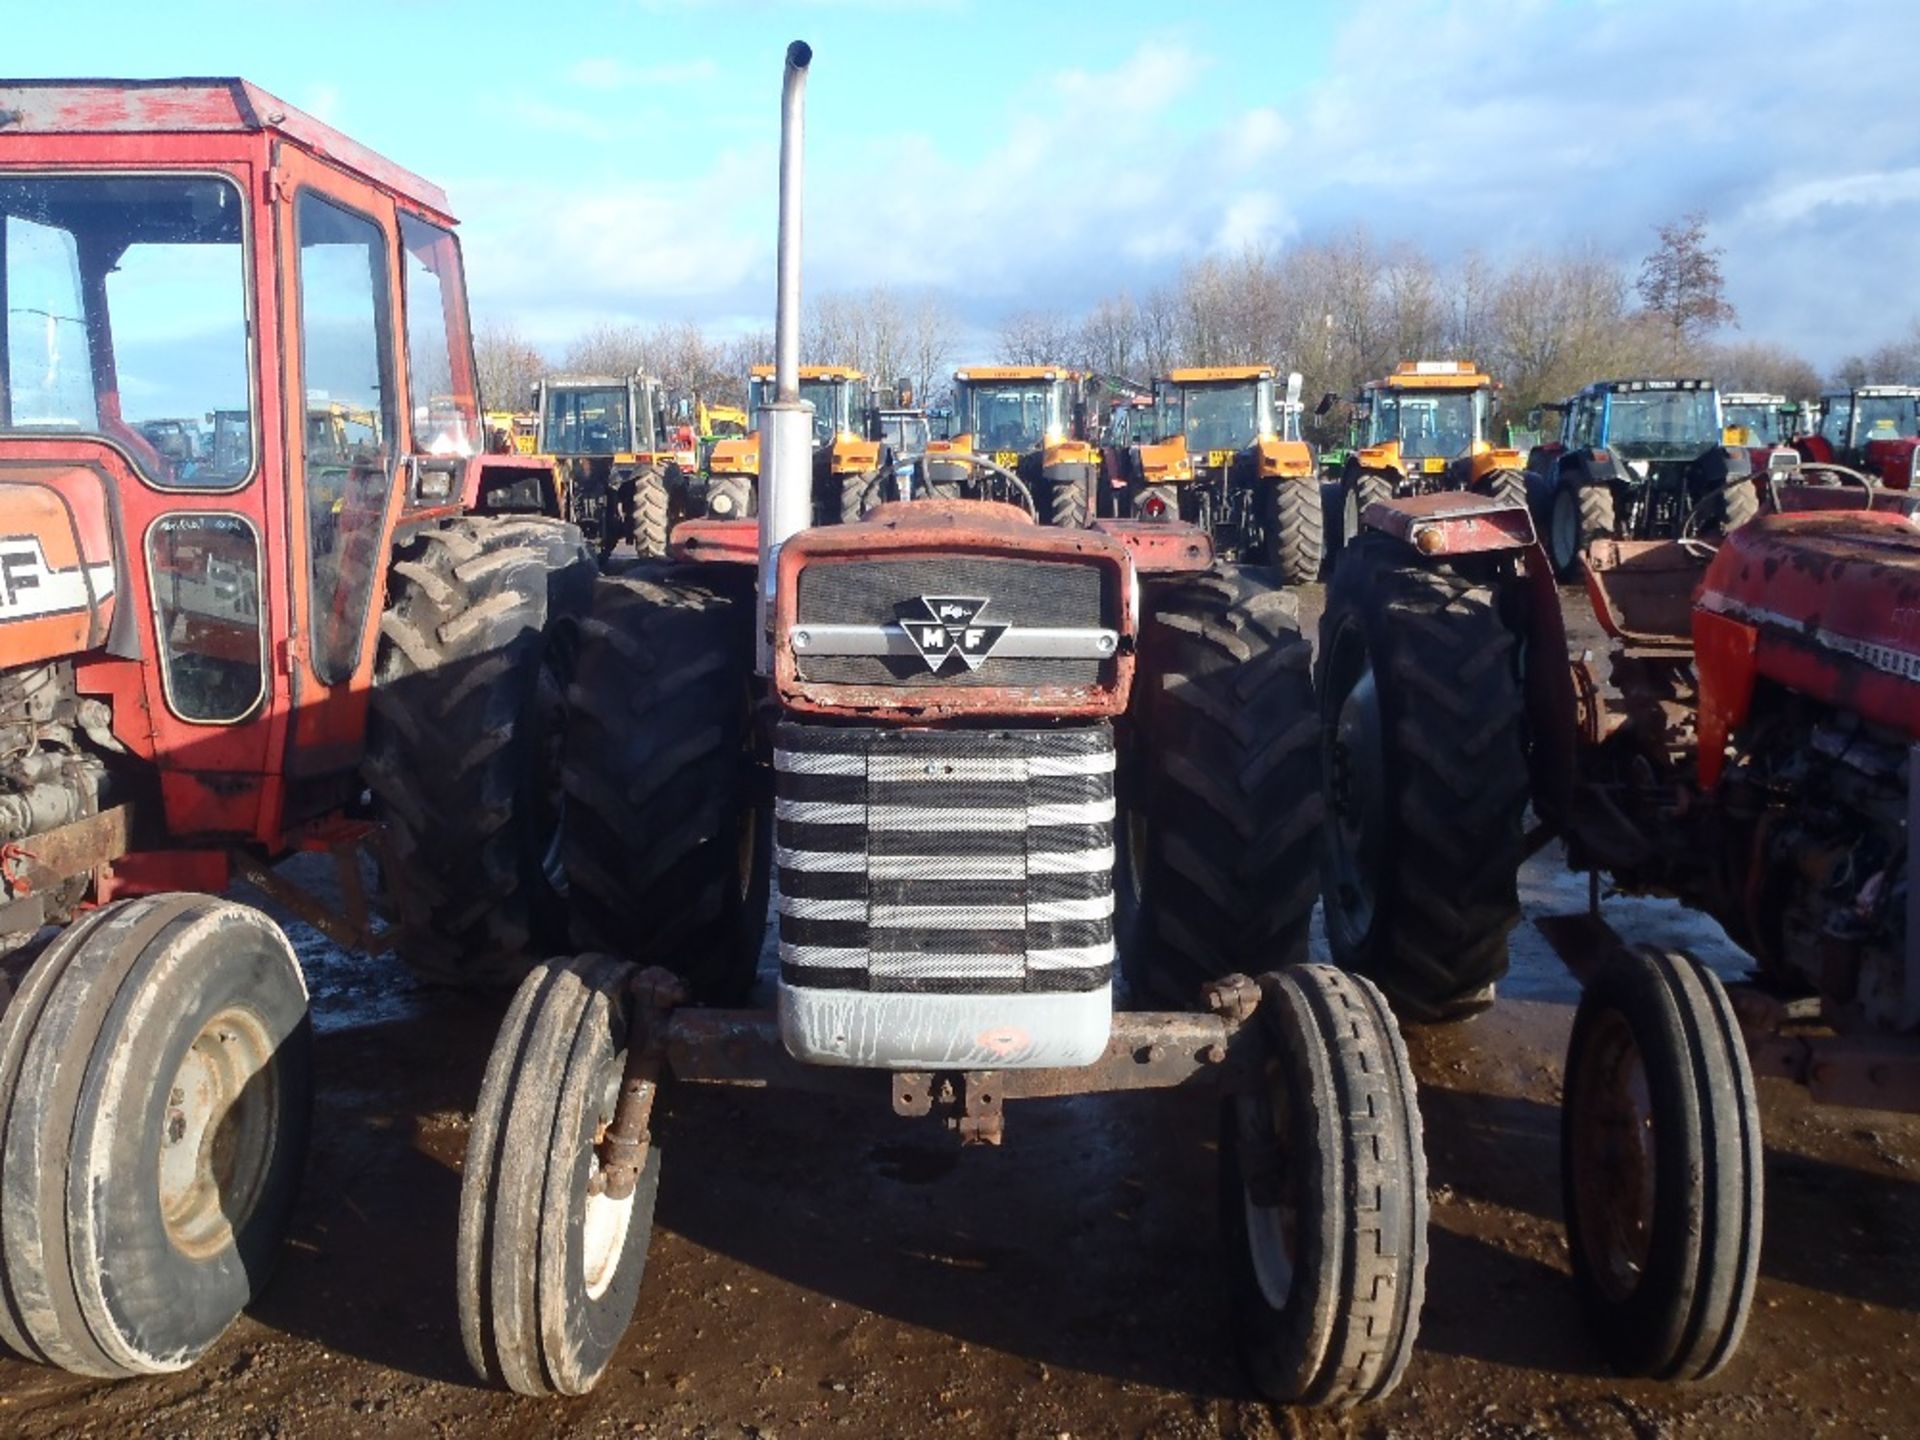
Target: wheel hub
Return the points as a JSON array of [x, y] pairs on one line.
[[605, 1221], [218, 1134], [1269, 1200]]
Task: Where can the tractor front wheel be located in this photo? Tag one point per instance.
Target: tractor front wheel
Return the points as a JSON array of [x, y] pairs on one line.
[[550, 1258], [1323, 1195], [463, 743], [1069, 495], [1421, 722], [1661, 1165], [1293, 516], [1222, 786], [730, 497], [155, 1084]]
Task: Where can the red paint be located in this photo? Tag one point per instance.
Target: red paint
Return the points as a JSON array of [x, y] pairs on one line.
[[1161, 549], [725, 542], [1452, 522]]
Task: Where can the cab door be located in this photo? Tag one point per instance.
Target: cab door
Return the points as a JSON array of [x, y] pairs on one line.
[[338, 246]]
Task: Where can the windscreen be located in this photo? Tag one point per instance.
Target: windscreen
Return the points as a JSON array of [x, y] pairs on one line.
[[1007, 415], [586, 421], [126, 317], [1427, 424], [1662, 424]]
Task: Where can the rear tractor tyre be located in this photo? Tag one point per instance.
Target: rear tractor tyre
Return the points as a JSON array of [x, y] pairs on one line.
[[1422, 722], [730, 497], [1323, 1195], [1294, 517], [854, 490], [667, 842], [1222, 791], [462, 744], [155, 1087], [549, 1264], [1661, 1166]]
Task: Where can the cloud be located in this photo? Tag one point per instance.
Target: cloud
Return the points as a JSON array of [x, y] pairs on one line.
[[1501, 126]]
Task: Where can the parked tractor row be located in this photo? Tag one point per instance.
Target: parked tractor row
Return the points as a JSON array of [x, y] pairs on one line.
[[1014, 733]]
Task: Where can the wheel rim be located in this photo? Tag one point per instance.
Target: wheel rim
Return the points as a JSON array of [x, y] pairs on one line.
[[604, 1222], [1614, 1160], [1565, 527], [1272, 1221], [1356, 794], [219, 1133]]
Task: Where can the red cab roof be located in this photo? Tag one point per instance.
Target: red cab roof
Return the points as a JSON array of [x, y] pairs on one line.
[[193, 106]]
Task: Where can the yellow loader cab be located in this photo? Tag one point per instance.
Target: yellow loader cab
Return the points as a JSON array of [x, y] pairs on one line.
[[846, 463], [1424, 428], [1232, 461], [1030, 421], [606, 437]]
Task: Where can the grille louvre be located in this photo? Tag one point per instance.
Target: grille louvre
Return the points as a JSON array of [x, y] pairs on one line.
[[945, 862]]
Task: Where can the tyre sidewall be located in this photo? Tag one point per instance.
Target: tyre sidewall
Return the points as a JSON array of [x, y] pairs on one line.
[[168, 1307]]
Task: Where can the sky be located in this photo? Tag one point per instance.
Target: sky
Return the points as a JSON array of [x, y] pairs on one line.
[[615, 161]]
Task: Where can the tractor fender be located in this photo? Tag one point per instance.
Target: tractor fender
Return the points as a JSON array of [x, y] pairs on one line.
[[1284, 460], [59, 581], [501, 484], [1445, 523], [740, 456]]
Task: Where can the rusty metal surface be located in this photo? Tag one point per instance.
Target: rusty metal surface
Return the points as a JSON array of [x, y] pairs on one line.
[[1147, 1050], [350, 927], [200, 106], [1161, 548], [1642, 590], [628, 1137], [1452, 522], [726, 542], [46, 860], [946, 528], [1834, 598]]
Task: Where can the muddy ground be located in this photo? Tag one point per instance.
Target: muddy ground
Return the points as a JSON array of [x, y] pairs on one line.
[[823, 1268]]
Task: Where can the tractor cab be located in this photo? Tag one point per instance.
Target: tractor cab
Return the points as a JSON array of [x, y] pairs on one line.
[[846, 462], [1028, 423], [1221, 462], [607, 437], [1871, 428], [1426, 428], [1755, 419]]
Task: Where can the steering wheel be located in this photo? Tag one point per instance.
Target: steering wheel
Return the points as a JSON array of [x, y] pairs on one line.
[[1000, 483]]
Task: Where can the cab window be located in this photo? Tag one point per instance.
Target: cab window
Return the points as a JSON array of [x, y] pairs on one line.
[[346, 441], [439, 365]]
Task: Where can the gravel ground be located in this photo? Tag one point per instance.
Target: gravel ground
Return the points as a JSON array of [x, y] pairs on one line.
[[823, 1268]]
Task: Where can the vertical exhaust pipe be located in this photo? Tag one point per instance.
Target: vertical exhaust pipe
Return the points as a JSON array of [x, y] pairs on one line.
[[786, 426]]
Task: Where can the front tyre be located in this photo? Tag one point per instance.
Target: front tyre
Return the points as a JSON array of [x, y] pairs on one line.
[[1294, 518], [550, 1263], [1324, 1195], [155, 1087], [1661, 1166]]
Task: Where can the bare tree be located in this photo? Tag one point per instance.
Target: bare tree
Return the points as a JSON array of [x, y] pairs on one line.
[[507, 364], [1756, 365], [931, 334], [608, 349], [1680, 282], [1036, 337]]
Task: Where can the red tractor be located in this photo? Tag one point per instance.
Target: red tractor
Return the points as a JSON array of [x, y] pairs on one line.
[[1747, 746], [988, 758], [210, 649], [1874, 429]]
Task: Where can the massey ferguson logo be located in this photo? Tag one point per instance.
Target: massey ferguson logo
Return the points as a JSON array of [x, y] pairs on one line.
[[30, 587], [942, 626]]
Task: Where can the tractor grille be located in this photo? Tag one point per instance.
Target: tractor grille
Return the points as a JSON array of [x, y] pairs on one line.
[[945, 862], [1019, 593]]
